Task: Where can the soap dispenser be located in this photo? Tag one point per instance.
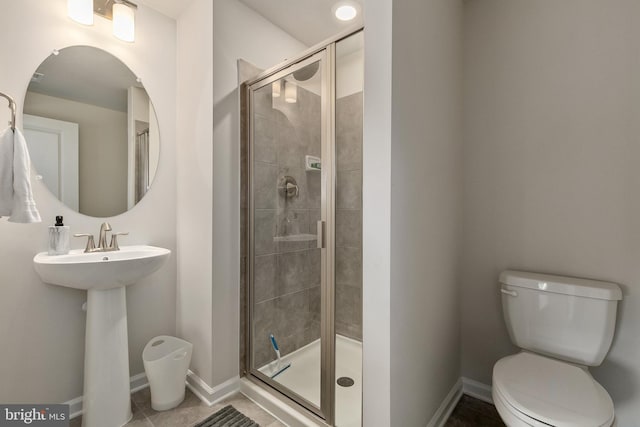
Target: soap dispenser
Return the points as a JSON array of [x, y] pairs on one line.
[[58, 238]]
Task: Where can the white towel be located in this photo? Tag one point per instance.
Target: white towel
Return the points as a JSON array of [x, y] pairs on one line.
[[16, 199]]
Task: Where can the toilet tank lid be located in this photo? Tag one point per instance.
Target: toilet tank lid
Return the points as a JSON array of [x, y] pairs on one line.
[[562, 285]]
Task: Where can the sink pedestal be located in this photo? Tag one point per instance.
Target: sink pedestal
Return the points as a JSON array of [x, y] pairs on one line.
[[107, 396]]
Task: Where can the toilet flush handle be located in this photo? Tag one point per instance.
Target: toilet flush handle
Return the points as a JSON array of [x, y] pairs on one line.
[[508, 292]]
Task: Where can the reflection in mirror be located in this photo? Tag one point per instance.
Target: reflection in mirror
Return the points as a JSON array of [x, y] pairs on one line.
[[92, 131]]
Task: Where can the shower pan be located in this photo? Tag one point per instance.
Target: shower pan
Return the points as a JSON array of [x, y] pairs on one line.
[[302, 233]]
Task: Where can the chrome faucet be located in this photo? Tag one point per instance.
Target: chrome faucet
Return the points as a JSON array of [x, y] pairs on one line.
[[102, 240]]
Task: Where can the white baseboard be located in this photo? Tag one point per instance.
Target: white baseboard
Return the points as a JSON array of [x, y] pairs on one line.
[[477, 389], [441, 416], [75, 407], [209, 395], [136, 383]]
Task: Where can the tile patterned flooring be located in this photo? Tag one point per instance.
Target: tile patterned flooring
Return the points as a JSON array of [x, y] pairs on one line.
[[190, 412], [472, 412]]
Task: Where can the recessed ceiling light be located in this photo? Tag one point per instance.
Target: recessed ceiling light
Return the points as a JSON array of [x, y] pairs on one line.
[[345, 11]]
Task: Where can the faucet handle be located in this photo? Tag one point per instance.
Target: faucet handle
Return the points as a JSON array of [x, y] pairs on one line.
[[114, 240], [91, 244]]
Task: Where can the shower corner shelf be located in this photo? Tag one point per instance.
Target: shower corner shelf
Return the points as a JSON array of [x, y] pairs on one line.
[[296, 238]]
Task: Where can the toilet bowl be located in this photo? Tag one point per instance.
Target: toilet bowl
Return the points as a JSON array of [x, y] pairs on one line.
[[563, 326], [534, 390]]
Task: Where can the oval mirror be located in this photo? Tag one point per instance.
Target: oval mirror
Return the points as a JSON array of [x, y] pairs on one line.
[[91, 130]]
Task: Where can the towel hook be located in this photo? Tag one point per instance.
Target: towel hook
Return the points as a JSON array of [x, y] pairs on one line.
[[12, 106]]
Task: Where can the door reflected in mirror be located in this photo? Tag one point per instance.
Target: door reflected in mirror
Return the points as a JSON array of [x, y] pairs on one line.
[[92, 131]]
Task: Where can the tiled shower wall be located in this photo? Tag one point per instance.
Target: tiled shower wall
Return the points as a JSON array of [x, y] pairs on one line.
[[286, 273], [348, 310]]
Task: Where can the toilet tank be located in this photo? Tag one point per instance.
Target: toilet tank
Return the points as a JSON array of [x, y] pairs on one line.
[[563, 317]]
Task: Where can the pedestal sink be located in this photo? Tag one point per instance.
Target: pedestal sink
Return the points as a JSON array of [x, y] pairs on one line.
[[104, 275]]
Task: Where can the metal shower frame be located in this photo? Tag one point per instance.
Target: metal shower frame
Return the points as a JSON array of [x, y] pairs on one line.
[[325, 54]]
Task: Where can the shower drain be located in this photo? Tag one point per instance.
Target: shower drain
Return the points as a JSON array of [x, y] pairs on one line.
[[345, 381]]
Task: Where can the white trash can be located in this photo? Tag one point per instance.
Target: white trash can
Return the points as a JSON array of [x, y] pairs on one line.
[[166, 361]]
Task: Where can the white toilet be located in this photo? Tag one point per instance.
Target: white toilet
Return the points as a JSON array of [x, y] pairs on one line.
[[563, 325]]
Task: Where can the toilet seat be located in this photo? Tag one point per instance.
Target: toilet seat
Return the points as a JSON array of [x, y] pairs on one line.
[[511, 416], [539, 391]]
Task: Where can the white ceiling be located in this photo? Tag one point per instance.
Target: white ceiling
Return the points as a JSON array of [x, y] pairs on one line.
[[92, 76], [310, 21], [88, 75], [171, 8]]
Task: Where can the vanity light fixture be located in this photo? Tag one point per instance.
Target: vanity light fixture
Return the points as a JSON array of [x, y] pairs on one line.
[[124, 22], [121, 12], [80, 11], [276, 88], [345, 10], [290, 92]]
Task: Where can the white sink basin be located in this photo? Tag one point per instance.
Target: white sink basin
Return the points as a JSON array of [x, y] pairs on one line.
[[104, 275], [100, 270]]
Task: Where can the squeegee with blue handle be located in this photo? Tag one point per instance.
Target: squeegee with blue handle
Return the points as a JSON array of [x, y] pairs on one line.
[[279, 368]]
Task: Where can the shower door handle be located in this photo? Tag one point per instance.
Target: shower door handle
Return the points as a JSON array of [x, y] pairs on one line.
[[320, 236]]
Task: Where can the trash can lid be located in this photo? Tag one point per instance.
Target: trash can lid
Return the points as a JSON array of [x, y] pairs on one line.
[[162, 346]]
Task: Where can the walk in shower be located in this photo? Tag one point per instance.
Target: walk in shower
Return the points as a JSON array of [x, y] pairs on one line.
[[303, 229]]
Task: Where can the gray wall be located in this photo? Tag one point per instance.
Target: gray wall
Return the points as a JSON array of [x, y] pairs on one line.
[[411, 209], [348, 262], [286, 274], [194, 181], [552, 125], [102, 155], [376, 215], [426, 159], [209, 206]]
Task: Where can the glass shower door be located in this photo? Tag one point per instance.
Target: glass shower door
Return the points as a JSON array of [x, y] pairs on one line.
[[287, 246], [349, 78]]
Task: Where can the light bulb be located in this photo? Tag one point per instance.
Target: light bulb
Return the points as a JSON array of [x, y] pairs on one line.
[[290, 92], [275, 89], [346, 12], [124, 24], [80, 11]]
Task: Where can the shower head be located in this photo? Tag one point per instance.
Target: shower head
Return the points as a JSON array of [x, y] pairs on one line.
[[307, 72]]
